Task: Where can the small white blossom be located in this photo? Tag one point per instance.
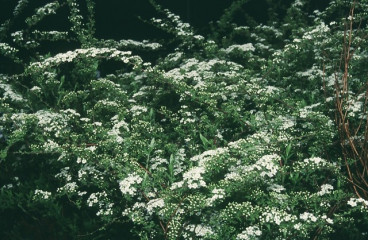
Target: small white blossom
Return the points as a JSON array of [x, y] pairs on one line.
[[127, 185], [325, 189], [43, 194], [153, 204], [252, 232]]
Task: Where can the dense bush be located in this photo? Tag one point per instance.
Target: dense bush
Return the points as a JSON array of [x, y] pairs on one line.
[[237, 135]]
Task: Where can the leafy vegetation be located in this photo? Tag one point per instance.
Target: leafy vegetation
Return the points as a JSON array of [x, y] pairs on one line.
[[249, 132]]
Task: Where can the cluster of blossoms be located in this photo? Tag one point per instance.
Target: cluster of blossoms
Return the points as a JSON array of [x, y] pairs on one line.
[[68, 188], [192, 178], [355, 201], [154, 204], [42, 194], [250, 233], [248, 47], [306, 216], [10, 94], [7, 49], [217, 140], [48, 9], [127, 185], [325, 189], [124, 56], [199, 231]]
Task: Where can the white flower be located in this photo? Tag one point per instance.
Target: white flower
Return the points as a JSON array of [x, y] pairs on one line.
[[218, 193], [199, 230], [138, 110], [352, 202], [268, 164], [306, 216], [42, 194], [35, 89], [276, 188], [297, 226], [325, 189], [126, 185], [81, 160], [153, 204], [193, 177], [248, 47], [251, 232], [69, 187]]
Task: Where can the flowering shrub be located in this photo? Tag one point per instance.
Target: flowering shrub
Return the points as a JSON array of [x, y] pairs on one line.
[[216, 140]]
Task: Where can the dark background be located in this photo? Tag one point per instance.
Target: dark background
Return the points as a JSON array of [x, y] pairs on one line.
[[128, 19], [118, 19]]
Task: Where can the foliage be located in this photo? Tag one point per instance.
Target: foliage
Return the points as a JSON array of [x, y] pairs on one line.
[[221, 138]]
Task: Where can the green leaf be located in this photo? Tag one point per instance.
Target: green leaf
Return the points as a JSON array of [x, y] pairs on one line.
[[204, 140]]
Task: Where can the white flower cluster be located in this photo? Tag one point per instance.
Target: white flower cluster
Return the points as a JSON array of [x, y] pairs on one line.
[[180, 158], [124, 56], [94, 198], [199, 230], [138, 110], [17, 36], [201, 73], [298, 3], [193, 178], [268, 91], [269, 29], [144, 44], [276, 188], [100, 199], [157, 162], [48, 9], [248, 47], [50, 146], [105, 210], [154, 204], [42, 194], [313, 164], [307, 217], [35, 89], [88, 170], [64, 174], [274, 215], [116, 129], [218, 193], [269, 165], [7, 186], [136, 206], [69, 188], [355, 106], [71, 113], [182, 29], [287, 122], [52, 122], [355, 201], [10, 93], [81, 160], [7, 49], [325, 189], [127, 185], [204, 157], [327, 219], [250, 233], [320, 30], [50, 35], [312, 73]]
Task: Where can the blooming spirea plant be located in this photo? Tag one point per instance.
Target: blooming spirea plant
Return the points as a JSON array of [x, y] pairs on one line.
[[234, 135]]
